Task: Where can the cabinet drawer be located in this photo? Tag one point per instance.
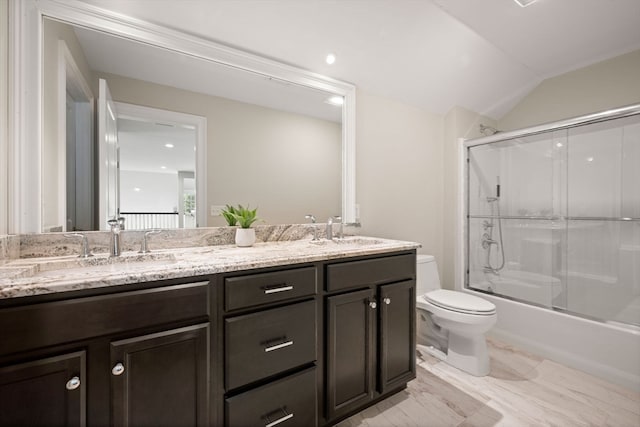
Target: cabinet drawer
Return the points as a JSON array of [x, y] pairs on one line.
[[262, 344], [265, 288], [287, 403], [374, 271], [51, 323]]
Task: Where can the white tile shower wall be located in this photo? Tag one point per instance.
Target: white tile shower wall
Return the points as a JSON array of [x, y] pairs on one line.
[[594, 187]]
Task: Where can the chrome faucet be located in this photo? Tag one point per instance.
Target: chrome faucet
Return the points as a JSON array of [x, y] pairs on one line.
[[117, 225], [84, 252], [144, 248], [341, 229], [315, 228]]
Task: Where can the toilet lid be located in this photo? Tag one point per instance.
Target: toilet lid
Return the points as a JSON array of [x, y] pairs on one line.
[[459, 301]]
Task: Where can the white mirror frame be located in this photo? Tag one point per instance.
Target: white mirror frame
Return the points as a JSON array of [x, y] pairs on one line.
[[25, 94]]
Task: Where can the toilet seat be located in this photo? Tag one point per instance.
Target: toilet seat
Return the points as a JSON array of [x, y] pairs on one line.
[[460, 302]]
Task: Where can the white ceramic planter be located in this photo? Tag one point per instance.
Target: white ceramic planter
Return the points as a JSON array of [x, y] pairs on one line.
[[245, 237]]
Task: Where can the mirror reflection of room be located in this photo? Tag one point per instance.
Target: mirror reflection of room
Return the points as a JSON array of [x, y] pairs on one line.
[[258, 141], [157, 173]]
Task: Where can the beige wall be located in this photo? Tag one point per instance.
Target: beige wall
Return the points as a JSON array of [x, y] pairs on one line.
[[53, 149], [287, 165], [4, 69], [399, 172], [407, 174], [607, 84]]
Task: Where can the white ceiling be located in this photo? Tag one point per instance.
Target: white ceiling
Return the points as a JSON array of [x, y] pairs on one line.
[[435, 54], [142, 147], [123, 57]]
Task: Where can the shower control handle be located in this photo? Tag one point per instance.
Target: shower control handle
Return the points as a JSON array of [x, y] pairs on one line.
[[487, 241]]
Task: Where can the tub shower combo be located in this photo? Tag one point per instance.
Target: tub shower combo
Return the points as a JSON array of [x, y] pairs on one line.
[[553, 216]]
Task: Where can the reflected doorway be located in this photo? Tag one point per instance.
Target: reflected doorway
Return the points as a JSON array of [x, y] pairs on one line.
[[159, 176]]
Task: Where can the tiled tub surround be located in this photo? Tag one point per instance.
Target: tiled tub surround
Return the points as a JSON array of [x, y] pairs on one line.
[[211, 253]]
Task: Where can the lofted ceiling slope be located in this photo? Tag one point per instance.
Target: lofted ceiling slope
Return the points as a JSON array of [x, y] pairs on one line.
[[435, 54]]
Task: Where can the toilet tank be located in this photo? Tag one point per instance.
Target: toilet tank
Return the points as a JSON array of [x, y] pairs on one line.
[[427, 278]]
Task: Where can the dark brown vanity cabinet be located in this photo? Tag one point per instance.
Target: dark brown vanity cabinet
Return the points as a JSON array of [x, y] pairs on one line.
[[139, 358], [161, 379], [270, 347], [44, 392], [370, 335], [298, 345]]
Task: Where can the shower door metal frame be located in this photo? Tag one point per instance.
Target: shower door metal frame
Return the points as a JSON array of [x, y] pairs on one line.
[[462, 280]]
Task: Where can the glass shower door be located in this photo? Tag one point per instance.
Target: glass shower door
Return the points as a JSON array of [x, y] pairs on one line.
[[553, 219], [516, 230], [603, 248]]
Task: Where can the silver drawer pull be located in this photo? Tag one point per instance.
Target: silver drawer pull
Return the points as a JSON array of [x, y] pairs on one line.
[[118, 369], [279, 420], [73, 383], [276, 290], [278, 346]]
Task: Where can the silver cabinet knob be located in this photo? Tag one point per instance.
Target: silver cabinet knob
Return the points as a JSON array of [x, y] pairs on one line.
[[73, 383], [118, 369], [372, 304], [387, 301]]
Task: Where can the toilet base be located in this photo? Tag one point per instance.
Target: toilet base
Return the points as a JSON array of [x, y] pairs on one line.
[[469, 354], [431, 351]]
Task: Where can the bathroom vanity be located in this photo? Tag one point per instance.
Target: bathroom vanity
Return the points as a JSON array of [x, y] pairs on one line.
[[288, 333]]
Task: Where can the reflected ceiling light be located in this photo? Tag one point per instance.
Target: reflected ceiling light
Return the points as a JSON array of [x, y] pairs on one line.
[[559, 144], [589, 159], [525, 3], [168, 145], [163, 167], [331, 58], [136, 189], [335, 100]]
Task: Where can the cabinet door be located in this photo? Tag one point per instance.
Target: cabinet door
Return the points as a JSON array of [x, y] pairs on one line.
[[350, 324], [397, 335], [161, 379], [45, 392]]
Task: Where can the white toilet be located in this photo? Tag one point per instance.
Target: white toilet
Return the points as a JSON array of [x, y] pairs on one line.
[[451, 324]]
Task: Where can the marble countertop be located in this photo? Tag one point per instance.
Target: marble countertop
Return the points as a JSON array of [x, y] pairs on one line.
[[36, 276]]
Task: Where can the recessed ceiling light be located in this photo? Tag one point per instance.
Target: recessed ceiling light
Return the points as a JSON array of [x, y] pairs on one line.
[[163, 167], [168, 145], [589, 159], [525, 3], [335, 100], [331, 58], [136, 189], [559, 144]]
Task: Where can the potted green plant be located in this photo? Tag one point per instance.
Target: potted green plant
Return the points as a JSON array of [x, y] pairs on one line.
[[229, 215], [245, 217]]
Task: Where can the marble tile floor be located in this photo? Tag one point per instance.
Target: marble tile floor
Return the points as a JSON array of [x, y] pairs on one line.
[[521, 390]]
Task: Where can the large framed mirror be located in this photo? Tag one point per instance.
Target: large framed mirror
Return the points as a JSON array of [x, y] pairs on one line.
[[262, 133]]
